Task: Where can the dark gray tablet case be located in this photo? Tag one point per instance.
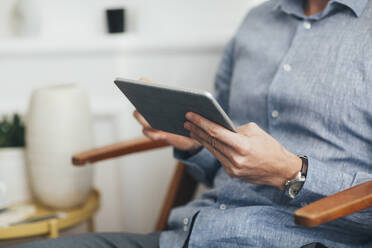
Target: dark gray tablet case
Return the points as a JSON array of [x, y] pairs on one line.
[[165, 107]]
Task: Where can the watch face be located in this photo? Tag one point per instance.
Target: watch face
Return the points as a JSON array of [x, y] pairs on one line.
[[295, 188]]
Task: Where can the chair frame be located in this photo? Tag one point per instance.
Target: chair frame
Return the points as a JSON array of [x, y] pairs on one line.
[[182, 187]]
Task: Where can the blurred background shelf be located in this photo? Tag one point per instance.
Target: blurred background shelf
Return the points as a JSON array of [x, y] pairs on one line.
[[116, 45]]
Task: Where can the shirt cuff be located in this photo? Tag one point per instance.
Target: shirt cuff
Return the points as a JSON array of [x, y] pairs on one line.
[[322, 180], [202, 165]]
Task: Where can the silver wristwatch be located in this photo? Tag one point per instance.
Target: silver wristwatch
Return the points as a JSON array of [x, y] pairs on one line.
[[293, 187]]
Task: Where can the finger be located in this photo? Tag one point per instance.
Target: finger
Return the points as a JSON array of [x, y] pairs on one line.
[[141, 119], [220, 146], [146, 80], [153, 134], [217, 154], [225, 162], [214, 130], [250, 129], [225, 150]]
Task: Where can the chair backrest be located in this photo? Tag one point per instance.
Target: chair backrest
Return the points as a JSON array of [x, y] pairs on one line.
[[180, 191], [182, 186]]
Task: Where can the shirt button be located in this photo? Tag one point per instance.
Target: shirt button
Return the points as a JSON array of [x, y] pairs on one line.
[[186, 221], [307, 25], [222, 206], [275, 114], [287, 67], [185, 228]]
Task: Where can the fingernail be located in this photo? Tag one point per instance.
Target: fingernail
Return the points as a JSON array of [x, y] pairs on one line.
[[188, 115], [156, 136]]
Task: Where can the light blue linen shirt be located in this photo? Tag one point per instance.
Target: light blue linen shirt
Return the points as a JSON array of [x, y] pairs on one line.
[[307, 81]]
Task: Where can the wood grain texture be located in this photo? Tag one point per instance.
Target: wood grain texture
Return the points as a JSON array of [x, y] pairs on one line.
[[116, 150], [180, 191], [335, 206], [181, 188]]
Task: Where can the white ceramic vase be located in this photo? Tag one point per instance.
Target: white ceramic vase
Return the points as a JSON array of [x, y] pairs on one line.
[[14, 182], [59, 124]]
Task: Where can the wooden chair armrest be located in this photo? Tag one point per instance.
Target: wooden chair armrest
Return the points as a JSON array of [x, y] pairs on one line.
[[335, 206], [116, 150]]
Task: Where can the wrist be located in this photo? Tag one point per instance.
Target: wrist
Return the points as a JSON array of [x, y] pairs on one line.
[[293, 187], [293, 167]]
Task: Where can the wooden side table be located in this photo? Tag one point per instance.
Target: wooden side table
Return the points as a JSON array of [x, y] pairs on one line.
[[51, 227]]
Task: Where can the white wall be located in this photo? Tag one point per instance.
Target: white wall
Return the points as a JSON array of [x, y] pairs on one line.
[[151, 18], [177, 42]]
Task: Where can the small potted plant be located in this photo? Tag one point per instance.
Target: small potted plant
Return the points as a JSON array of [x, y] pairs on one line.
[[13, 173]]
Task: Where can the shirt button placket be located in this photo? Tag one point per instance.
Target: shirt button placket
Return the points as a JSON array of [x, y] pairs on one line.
[[275, 114], [287, 67], [307, 25], [185, 223]]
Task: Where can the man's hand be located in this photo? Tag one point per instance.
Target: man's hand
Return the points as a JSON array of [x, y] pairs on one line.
[[251, 154], [178, 141]]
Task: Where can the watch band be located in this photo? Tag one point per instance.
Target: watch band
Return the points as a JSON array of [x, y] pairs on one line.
[[305, 165], [293, 187]]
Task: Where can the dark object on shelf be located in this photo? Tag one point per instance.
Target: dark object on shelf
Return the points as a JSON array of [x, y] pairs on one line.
[[115, 20], [12, 132]]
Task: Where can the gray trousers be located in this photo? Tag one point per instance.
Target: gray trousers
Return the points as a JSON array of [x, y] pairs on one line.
[[98, 240]]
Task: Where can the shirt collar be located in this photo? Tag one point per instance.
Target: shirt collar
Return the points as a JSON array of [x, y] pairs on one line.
[[357, 6], [295, 7]]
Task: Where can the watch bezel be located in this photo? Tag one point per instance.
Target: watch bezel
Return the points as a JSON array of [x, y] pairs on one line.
[[289, 185]]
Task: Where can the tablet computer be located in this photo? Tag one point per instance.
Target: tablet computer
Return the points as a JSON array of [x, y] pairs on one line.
[[165, 107]]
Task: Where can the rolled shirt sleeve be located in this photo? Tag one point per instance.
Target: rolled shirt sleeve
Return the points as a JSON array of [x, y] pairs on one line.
[[323, 180], [223, 76], [203, 165]]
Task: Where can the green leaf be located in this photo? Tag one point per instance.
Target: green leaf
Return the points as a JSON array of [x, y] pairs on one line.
[[12, 133]]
